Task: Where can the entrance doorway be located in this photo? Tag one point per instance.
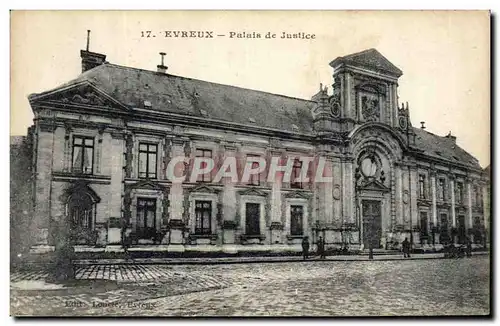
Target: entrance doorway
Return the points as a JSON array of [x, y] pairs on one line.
[[372, 223], [462, 231], [146, 218]]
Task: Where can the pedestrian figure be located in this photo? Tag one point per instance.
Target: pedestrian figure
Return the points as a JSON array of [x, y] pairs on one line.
[[127, 241], [469, 247], [305, 247], [406, 248], [321, 248]]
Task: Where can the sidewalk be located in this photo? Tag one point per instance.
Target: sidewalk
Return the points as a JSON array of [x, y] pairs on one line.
[[246, 260]]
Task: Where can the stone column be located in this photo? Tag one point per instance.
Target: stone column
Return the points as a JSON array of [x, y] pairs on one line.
[[452, 192], [176, 220], [394, 104], [349, 198], [98, 152], [413, 201], [399, 195], [337, 192], [43, 182], [486, 208], [469, 203], [112, 157], [326, 200], [229, 208], [276, 187], [434, 198], [349, 108], [67, 149]]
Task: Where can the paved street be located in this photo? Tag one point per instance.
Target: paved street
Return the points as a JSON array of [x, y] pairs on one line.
[[330, 288]]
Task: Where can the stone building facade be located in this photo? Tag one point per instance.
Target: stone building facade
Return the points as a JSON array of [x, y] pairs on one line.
[[103, 141]]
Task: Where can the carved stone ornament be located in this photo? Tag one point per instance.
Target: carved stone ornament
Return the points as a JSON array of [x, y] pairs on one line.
[[335, 105], [406, 197], [336, 192], [370, 108], [403, 122], [85, 95]]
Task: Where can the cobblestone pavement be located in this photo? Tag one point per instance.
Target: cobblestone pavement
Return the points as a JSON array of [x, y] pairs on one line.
[[357, 288]]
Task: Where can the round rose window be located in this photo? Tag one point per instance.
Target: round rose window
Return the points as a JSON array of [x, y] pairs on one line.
[[369, 167]]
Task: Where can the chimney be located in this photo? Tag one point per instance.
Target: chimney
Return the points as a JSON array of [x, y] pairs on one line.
[[450, 136], [162, 69], [91, 59], [422, 123]]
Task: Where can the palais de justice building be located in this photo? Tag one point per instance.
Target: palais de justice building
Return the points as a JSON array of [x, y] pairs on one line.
[[102, 142]]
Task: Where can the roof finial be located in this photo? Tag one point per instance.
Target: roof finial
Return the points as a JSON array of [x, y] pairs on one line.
[[88, 39]]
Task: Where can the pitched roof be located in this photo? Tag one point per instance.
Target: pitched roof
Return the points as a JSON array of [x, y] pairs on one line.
[[370, 58], [187, 96], [443, 148], [192, 97]]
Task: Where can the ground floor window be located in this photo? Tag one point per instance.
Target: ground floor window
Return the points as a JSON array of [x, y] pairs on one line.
[[203, 214], [444, 237], [81, 215], [252, 219], [296, 220], [462, 230], [146, 218], [424, 230], [81, 211]]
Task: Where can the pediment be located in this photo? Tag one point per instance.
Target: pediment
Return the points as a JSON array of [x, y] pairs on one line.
[[204, 189], [83, 94], [252, 192], [148, 185], [298, 194], [373, 185], [82, 187]]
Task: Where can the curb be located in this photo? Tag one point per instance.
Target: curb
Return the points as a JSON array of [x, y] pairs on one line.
[[267, 261]]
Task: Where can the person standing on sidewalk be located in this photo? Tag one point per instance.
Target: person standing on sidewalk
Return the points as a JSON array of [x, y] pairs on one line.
[[469, 247], [305, 247], [406, 248], [321, 248]]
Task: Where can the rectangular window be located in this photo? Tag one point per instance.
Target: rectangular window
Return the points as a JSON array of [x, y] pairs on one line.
[[297, 167], [442, 189], [146, 218], [296, 220], [421, 185], [203, 212], [83, 154], [147, 160], [207, 177], [460, 192], [254, 179], [252, 219], [444, 223], [423, 224]]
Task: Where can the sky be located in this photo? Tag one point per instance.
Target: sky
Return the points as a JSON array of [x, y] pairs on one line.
[[444, 56]]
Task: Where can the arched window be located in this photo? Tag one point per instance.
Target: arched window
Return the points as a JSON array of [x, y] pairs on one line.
[[81, 211]]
